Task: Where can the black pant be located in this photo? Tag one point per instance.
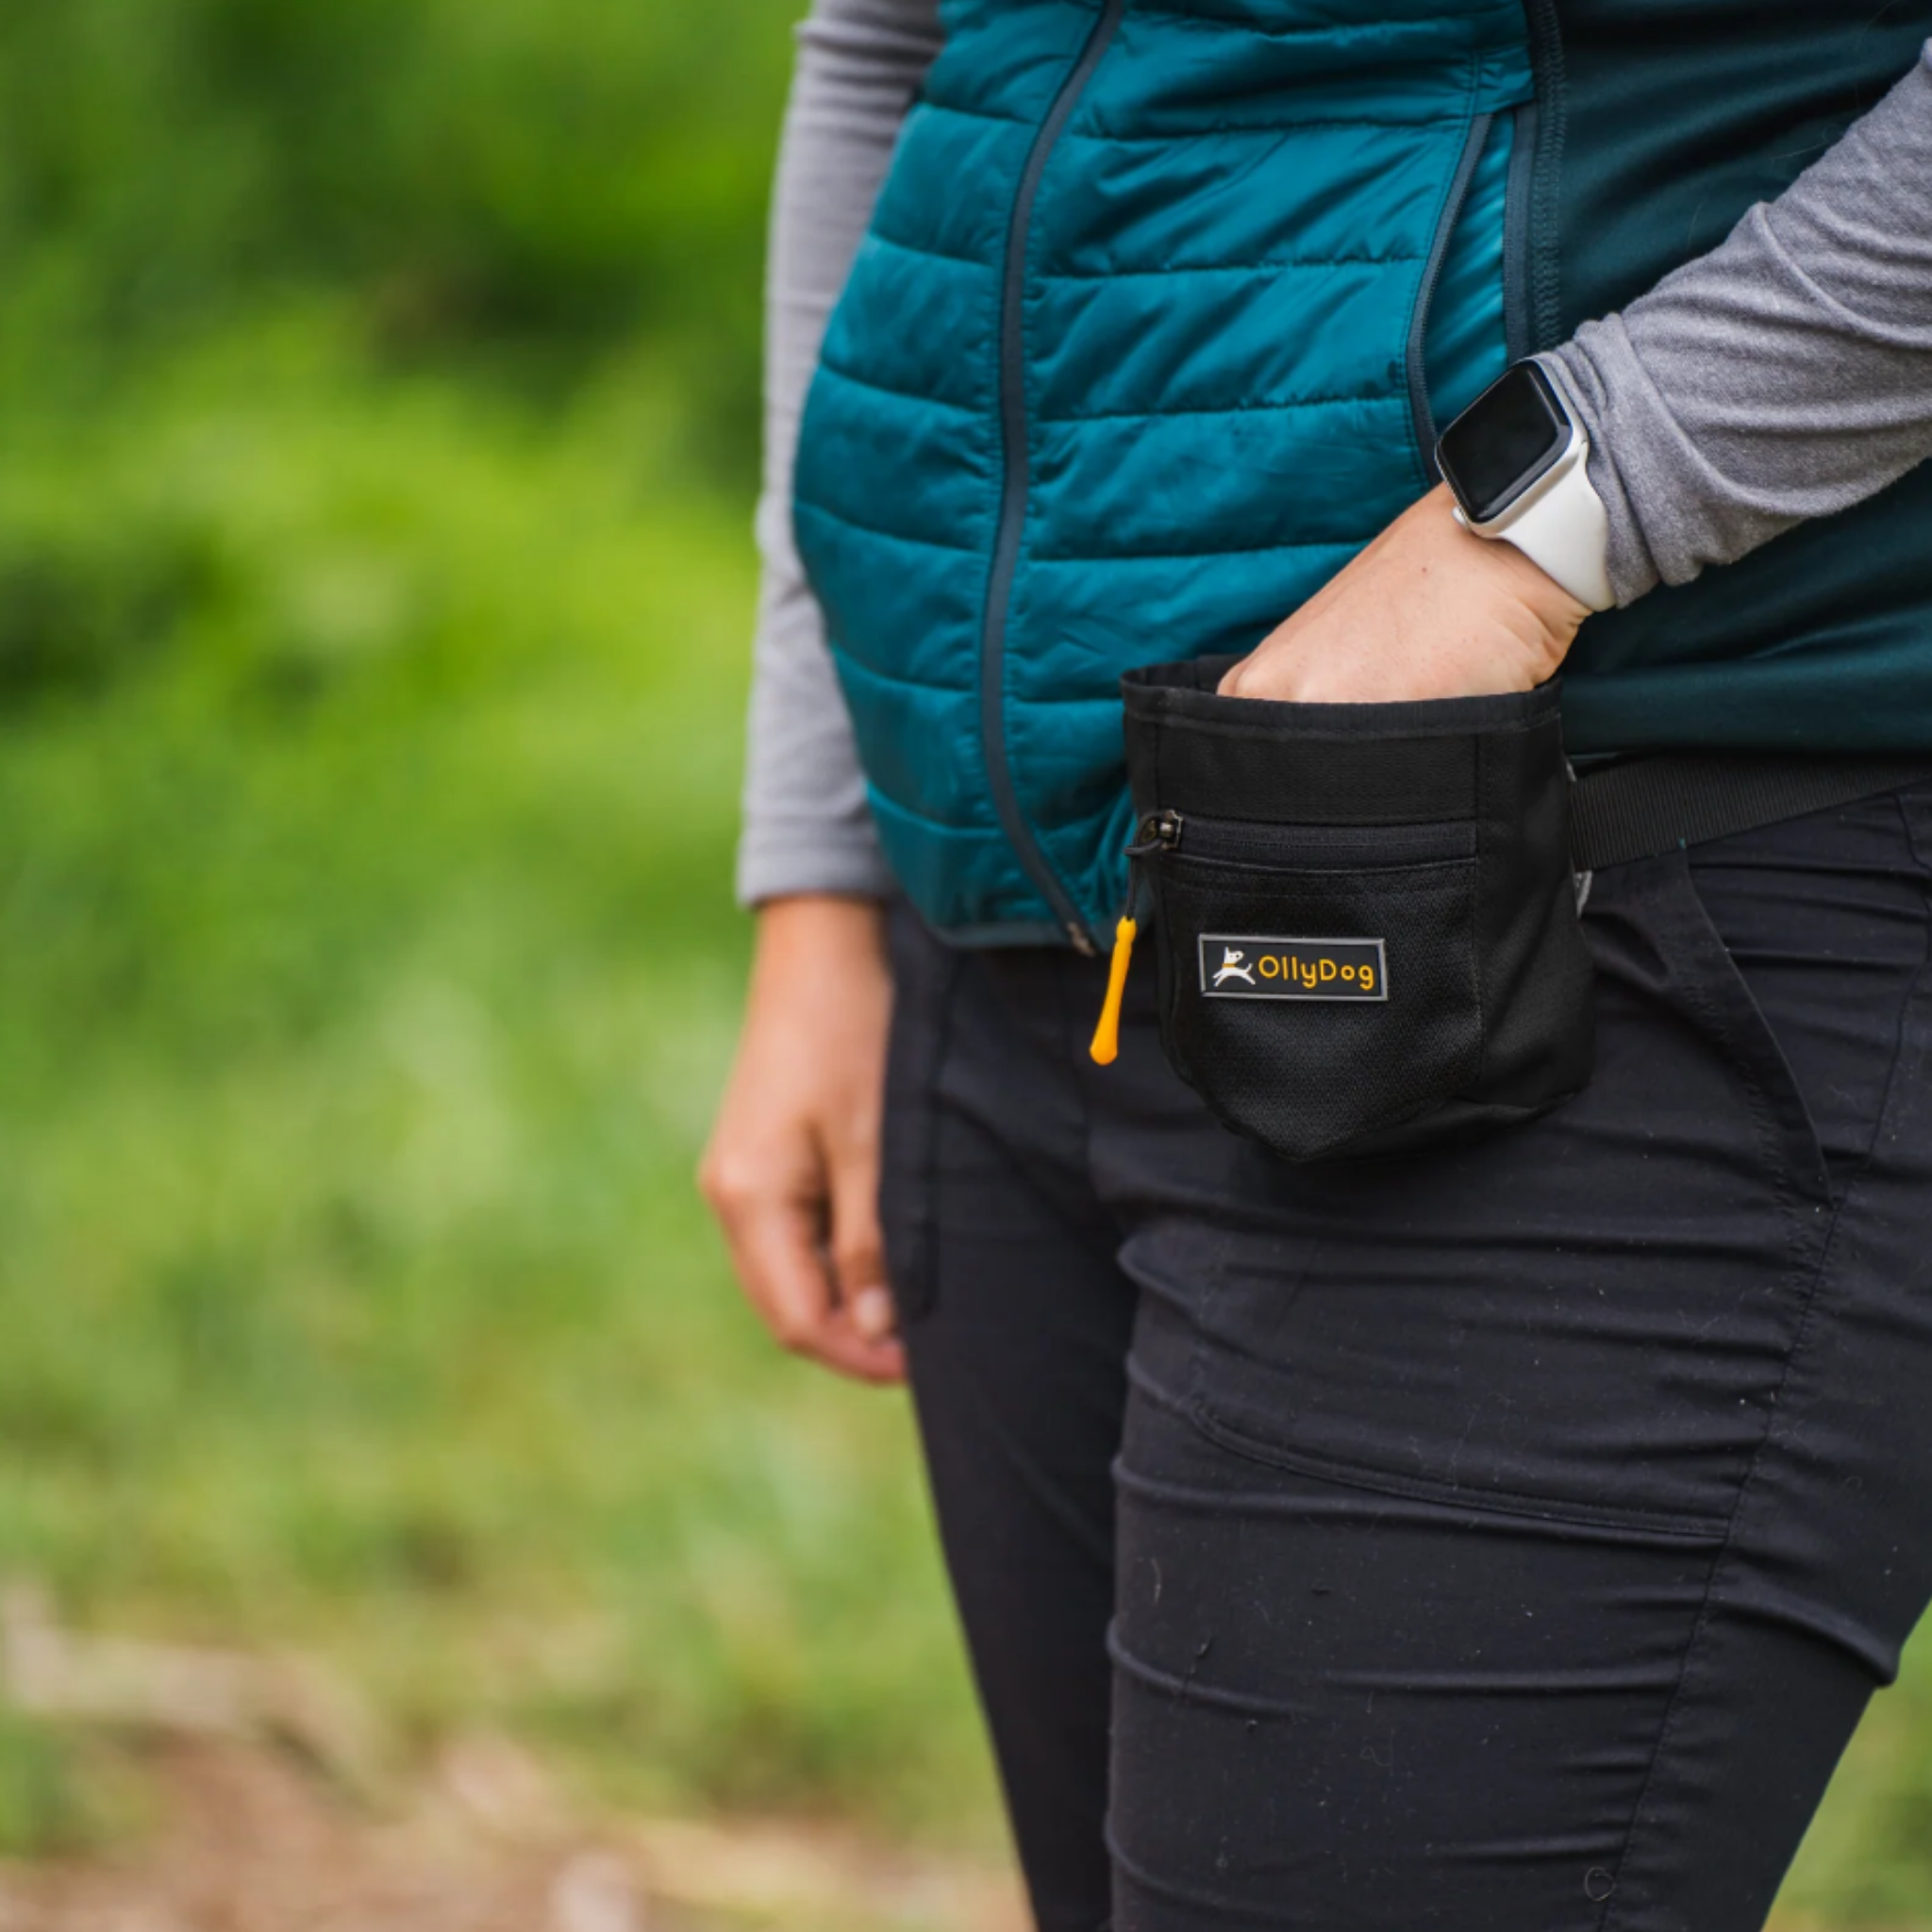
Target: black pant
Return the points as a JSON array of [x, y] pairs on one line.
[[1506, 1538]]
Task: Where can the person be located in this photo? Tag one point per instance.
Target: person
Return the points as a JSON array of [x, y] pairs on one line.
[[1507, 1533]]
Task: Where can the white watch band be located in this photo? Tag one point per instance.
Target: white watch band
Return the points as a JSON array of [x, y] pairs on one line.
[[1560, 525]]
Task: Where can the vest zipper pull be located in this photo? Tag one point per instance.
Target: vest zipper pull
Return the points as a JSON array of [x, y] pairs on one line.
[[1106, 1036]]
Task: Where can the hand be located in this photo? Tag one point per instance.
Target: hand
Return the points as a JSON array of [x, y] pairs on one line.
[[1427, 610], [792, 1168]]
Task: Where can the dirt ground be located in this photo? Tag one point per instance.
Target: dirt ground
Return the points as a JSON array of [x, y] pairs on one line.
[[246, 1839]]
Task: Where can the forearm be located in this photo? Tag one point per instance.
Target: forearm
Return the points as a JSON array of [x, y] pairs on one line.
[[1785, 376], [806, 828]]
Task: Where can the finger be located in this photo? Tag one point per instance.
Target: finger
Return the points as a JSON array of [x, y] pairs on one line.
[[856, 1243], [873, 1313], [775, 1244], [876, 1359], [775, 1247]]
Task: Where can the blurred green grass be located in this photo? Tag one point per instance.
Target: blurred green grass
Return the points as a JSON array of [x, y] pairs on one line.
[[366, 970]]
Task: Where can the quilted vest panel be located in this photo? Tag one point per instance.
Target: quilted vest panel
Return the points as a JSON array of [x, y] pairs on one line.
[[1156, 314]]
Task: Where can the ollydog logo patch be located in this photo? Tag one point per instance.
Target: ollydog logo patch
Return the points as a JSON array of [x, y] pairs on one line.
[[1237, 966]]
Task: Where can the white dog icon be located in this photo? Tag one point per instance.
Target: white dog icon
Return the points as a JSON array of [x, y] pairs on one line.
[[1232, 968]]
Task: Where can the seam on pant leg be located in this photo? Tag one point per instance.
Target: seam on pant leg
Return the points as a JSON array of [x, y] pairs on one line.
[[1487, 1501], [937, 986], [1761, 1101], [1699, 1629], [1776, 1414], [1219, 1236], [1883, 1111], [1262, 1503], [1073, 1049], [1788, 1205], [1906, 1006], [1473, 1501]]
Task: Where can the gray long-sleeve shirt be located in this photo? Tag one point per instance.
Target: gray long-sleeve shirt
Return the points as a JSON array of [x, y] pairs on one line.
[[1786, 374]]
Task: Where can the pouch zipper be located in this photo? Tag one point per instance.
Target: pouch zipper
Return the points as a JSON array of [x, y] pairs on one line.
[[1014, 486], [1256, 846], [1159, 831], [1246, 841]]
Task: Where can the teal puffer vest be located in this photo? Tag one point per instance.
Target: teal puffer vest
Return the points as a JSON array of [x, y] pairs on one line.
[[1158, 311]]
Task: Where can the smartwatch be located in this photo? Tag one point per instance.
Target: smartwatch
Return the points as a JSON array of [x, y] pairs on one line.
[[1517, 462]]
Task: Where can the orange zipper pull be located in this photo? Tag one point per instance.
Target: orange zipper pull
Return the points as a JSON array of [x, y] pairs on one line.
[[1106, 1036]]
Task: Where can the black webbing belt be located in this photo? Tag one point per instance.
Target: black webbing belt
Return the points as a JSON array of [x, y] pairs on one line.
[[1646, 807]]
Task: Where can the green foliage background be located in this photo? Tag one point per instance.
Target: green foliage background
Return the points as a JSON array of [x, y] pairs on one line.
[[377, 422], [378, 416]]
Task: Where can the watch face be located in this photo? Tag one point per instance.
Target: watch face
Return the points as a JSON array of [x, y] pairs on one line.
[[1508, 437]]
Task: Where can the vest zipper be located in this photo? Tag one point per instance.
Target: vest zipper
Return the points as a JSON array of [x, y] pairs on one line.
[[1517, 332], [1473, 142], [1014, 485], [1542, 181]]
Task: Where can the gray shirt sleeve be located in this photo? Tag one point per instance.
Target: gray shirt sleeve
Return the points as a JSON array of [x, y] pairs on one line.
[[1786, 374], [806, 828]]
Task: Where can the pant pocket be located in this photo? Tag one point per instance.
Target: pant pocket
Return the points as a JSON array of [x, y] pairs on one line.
[[1726, 1005], [1365, 920]]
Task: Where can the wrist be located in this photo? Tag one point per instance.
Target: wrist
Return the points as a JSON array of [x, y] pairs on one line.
[[810, 938], [788, 912], [1500, 581], [1517, 461], [1522, 580]]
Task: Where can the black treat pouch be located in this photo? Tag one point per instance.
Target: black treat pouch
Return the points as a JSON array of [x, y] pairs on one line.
[[1365, 918]]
